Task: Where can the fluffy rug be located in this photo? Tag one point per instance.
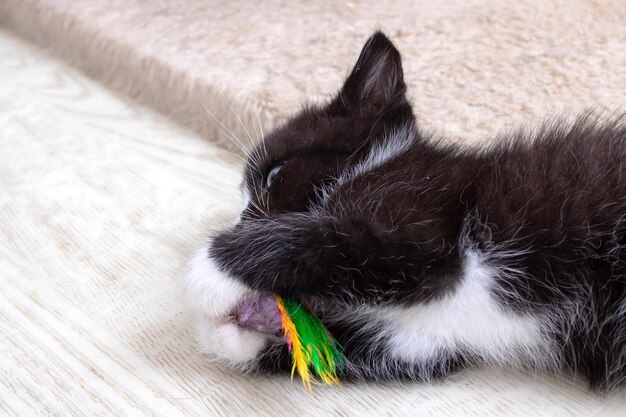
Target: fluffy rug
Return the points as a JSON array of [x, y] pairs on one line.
[[473, 66]]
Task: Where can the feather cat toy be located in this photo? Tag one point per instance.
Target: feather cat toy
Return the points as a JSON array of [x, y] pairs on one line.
[[314, 352], [309, 342]]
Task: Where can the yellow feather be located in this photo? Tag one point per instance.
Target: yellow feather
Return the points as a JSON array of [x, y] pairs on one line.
[[300, 362]]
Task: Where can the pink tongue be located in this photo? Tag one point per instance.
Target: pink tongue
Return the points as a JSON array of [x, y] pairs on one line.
[[259, 313]]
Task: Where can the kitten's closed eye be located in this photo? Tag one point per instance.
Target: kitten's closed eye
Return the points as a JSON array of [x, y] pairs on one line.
[[273, 172]]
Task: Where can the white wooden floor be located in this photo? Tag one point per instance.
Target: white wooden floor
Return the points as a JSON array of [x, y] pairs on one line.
[[101, 201]]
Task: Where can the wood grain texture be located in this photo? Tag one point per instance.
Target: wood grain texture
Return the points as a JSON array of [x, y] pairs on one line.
[[101, 202]]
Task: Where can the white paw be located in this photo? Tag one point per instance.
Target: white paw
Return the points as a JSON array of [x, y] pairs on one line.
[[209, 289], [214, 295]]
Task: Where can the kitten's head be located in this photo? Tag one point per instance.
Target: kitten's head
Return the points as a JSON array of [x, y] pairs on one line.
[[315, 145]]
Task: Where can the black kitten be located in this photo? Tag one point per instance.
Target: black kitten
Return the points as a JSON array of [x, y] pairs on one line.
[[422, 256]]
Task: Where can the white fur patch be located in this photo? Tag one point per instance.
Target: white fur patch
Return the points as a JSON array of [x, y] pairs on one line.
[[226, 343], [210, 290], [391, 147], [469, 320], [214, 295]]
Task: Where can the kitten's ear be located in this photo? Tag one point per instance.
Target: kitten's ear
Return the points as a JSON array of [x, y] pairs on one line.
[[377, 79]]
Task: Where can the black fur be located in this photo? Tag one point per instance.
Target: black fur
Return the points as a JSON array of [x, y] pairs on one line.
[[548, 205]]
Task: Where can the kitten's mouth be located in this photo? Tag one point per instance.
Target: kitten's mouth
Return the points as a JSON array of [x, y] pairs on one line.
[[259, 313]]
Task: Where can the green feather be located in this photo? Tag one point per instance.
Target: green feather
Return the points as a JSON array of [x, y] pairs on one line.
[[322, 350]]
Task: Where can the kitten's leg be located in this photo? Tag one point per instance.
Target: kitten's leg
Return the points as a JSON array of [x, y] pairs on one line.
[[410, 309], [342, 258], [338, 260]]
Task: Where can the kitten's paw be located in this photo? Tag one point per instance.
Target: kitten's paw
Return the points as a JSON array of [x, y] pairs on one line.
[[215, 296], [225, 342], [210, 290]]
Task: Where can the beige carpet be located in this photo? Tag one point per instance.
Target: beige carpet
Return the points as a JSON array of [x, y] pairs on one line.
[[473, 66], [101, 201]]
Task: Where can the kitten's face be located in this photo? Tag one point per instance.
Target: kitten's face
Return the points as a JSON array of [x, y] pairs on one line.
[[313, 147]]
